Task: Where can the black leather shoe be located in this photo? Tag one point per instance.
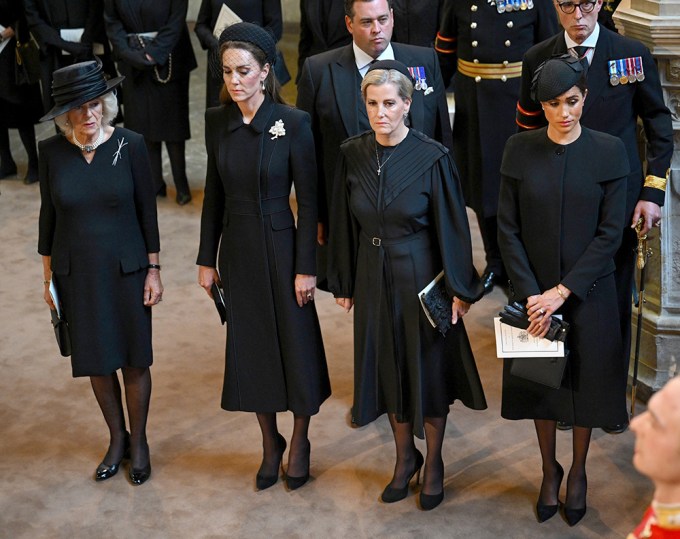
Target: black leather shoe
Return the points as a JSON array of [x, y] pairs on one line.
[[293, 482], [563, 425], [393, 494], [616, 429], [183, 198], [265, 481], [106, 471], [140, 476], [8, 171]]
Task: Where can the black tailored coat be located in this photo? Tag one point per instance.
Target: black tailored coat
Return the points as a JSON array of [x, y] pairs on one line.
[[265, 13], [402, 364], [485, 109], [416, 21], [274, 358], [329, 90], [561, 221], [613, 109], [19, 105], [98, 223], [156, 110], [322, 28], [47, 17]]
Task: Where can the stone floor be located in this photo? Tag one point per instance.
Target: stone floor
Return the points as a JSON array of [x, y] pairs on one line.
[[204, 459]]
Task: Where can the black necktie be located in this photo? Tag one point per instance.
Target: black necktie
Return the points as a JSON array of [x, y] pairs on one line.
[[581, 51]]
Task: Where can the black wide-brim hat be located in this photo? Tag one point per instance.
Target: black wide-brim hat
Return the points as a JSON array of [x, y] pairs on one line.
[[77, 84]]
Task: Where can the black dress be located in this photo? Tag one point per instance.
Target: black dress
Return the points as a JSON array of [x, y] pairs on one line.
[[402, 364], [98, 223], [155, 100], [275, 358], [560, 222]]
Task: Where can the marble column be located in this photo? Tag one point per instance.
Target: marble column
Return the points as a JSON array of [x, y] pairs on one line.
[[657, 24]]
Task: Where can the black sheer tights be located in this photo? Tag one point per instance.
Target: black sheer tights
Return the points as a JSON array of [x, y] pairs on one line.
[[298, 456], [176, 154], [107, 391], [552, 472]]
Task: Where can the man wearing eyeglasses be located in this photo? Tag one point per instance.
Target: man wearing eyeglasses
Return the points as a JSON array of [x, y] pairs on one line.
[[623, 85]]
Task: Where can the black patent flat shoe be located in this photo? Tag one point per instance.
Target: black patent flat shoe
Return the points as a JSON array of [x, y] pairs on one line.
[[106, 471], [139, 477]]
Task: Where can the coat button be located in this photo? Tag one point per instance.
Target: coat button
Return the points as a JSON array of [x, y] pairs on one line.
[[475, 61], [474, 43], [507, 43], [504, 78], [505, 63], [473, 7], [510, 24], [478, 79], [473, 25]]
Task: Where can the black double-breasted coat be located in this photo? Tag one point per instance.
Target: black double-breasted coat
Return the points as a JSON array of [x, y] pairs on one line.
[[485, 108], [158, 110], [265, 13], [274, 358], [98, 223], [561, 222], [390, 236]]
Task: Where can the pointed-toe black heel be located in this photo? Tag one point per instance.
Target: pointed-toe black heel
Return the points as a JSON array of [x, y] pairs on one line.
[[295, 482], [393, 494], [430, 501], [106, 471], [573, 515], [265, 481], [546, 512]]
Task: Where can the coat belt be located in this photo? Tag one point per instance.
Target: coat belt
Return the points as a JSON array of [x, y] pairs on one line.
[[504, 71], [265, 206], [386, 242]]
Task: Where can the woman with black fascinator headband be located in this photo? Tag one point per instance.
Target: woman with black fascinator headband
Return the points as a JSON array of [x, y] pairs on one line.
[[563, 196], [398, 220], [257, 148]]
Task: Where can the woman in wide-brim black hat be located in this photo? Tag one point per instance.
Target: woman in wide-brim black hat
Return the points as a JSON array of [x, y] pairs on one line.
[[98, 238]]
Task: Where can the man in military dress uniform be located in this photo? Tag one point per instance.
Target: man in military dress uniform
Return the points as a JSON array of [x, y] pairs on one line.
[[416, 21], [480, 43], [623, 85]]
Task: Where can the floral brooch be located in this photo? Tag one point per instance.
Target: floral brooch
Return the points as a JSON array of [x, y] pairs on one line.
[[277, 129]]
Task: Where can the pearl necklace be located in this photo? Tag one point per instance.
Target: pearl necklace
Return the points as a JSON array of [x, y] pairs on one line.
[[89, 148]]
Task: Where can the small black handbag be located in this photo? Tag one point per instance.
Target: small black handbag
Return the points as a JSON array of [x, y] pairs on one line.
[[547, 371], [61, 332], [27, 64]]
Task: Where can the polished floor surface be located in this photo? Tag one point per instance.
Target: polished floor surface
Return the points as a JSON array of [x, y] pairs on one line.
[[52, 435]]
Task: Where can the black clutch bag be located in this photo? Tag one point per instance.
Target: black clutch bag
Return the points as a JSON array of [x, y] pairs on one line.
[[61, 332], [437, 304], [218, 298], [547, 371]]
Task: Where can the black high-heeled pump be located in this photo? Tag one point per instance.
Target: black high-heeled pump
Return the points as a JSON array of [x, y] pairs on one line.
[[106, 471], [573, 515], [393, 494], [430, 501], [265, 481], [295, 482], [545, 512]]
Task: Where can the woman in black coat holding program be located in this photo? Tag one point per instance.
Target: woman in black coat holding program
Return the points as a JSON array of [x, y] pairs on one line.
[[275, 357], [563, 189]]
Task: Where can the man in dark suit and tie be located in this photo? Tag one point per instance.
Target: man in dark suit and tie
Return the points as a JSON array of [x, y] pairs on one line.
[[329, 90], [623, 85]]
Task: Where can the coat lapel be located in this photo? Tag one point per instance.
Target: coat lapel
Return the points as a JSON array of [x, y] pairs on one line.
[[343, 73], [598, 76]]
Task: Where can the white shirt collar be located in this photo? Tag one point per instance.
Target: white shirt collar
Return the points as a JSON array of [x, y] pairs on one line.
[[363, 60], [590, 41]]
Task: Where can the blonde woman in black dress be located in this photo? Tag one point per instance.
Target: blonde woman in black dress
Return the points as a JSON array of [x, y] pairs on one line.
[[99, 244]]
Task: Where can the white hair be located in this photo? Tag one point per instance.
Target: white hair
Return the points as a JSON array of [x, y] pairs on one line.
[[109, 103]]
